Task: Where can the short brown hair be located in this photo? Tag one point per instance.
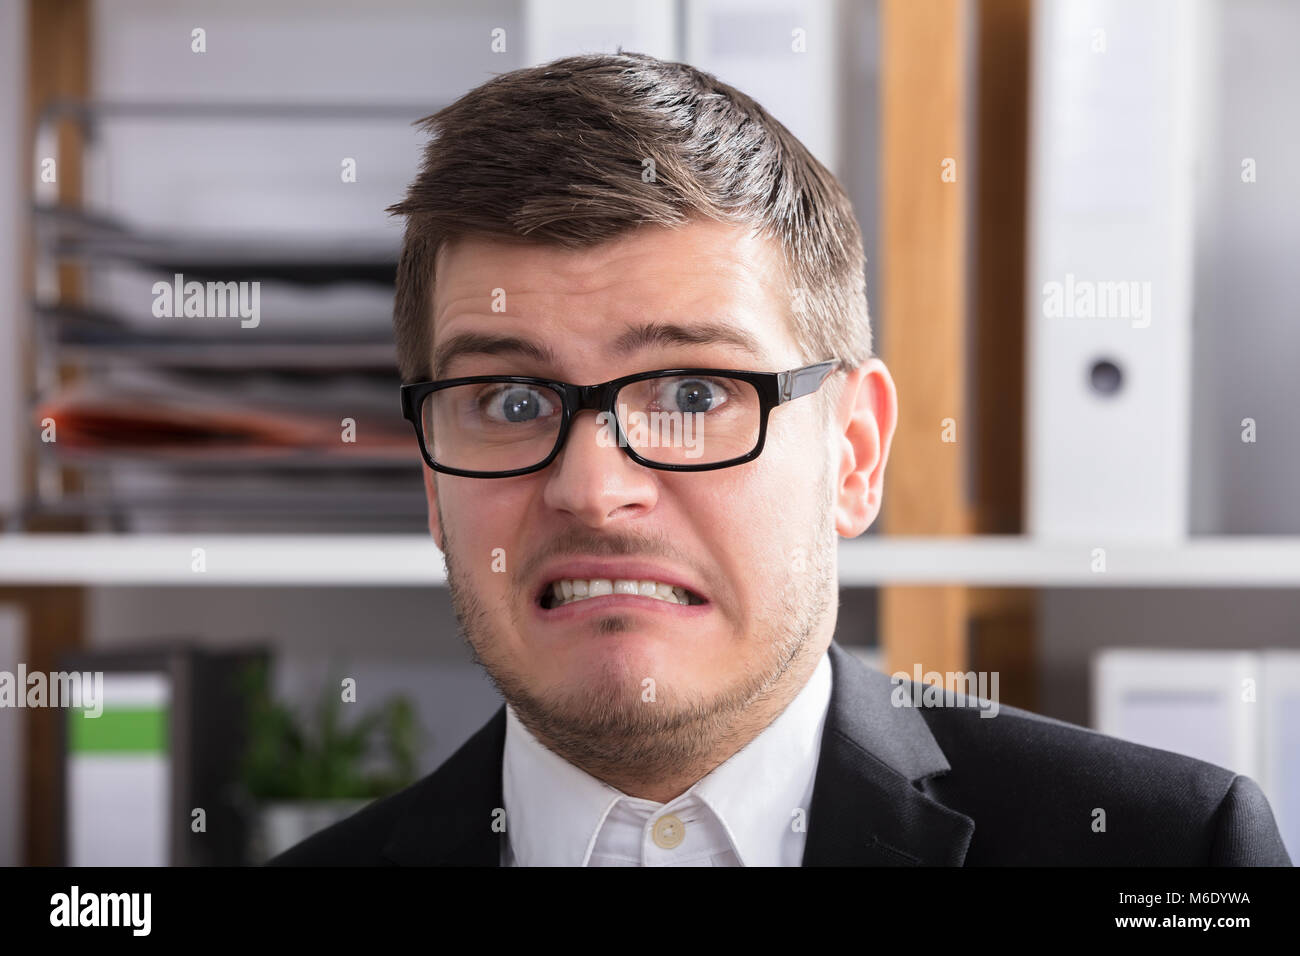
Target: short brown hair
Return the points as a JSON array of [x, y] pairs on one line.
[[556, 154]]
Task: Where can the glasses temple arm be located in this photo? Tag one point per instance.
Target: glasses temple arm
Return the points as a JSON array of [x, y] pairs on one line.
[[803, 381]]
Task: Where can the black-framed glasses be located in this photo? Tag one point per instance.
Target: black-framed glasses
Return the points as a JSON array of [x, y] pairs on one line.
[[677, 419]]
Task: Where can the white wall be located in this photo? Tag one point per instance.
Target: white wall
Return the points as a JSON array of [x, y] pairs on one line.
[[14, 195]]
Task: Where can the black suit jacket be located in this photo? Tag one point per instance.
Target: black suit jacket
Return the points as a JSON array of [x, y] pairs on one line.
[[895, 786]]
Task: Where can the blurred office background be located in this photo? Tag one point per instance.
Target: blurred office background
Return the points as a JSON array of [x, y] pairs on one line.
[[1098, 505]]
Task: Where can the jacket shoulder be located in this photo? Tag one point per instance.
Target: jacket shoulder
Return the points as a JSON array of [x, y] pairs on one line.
[[364, 838], [359, 839], [1043, 790]]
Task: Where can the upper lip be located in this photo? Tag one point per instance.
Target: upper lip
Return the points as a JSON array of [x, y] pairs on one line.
[[592, 568]]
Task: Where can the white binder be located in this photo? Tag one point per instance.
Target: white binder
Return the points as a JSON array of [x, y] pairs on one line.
[[1109, 272]]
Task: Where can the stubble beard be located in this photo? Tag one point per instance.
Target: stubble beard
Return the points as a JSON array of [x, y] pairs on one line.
[[609, 729]]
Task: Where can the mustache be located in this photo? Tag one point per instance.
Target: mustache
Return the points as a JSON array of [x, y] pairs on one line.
[[579, 543]]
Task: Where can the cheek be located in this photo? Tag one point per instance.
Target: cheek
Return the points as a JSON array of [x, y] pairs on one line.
[[483, 529], [785, 503], [752, 522], [784, 487]]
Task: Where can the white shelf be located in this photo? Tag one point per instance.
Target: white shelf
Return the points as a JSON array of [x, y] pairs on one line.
[[413, 560], [236, 559]]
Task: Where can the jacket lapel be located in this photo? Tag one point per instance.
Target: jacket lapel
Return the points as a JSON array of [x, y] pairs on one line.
[[865, 810], [449, 819]]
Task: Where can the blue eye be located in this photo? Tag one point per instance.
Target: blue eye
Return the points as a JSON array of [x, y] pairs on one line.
[[695, 395], [518, 404]]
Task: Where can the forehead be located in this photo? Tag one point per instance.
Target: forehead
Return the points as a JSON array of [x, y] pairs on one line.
[[702, 271]]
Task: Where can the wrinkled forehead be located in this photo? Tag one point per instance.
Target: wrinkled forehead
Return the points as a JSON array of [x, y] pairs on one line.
[[704, 271]]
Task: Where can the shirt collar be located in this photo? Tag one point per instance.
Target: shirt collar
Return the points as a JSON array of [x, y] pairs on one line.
[[758, 789], [554, 810]]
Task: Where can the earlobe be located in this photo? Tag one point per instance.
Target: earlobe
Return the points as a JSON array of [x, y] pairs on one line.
[[868, 414]]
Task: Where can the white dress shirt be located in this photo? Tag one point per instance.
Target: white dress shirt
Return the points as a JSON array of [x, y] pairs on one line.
[[751, 810]]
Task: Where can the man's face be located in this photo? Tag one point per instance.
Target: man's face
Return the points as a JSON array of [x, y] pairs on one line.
[[756, 540]]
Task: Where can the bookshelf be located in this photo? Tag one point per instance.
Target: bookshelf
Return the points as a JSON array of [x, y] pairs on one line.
[[168, 422]]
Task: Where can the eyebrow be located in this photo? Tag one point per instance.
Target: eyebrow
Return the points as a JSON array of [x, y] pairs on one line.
[[632, 340]]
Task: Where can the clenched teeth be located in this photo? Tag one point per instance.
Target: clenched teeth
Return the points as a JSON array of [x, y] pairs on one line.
[[570, 590]]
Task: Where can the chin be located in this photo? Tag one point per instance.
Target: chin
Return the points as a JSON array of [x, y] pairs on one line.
[[616, 668], [616, 658]]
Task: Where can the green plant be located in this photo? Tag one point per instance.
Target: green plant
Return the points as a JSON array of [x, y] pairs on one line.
[[325, 757]]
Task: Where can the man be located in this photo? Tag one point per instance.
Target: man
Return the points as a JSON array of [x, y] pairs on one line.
[[647, 569]]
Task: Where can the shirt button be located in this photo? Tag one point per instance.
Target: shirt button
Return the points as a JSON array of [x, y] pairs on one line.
[[668, 831]]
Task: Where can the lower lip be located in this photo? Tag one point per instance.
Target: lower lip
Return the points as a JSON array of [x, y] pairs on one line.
[[611, 602]]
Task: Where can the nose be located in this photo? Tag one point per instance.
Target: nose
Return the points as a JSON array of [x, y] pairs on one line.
[[593, 479]]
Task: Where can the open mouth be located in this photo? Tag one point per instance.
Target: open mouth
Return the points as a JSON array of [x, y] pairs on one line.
[[572, 590]]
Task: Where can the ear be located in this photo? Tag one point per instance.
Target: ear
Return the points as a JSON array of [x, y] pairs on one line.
[[431, 496], [866, 418]]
